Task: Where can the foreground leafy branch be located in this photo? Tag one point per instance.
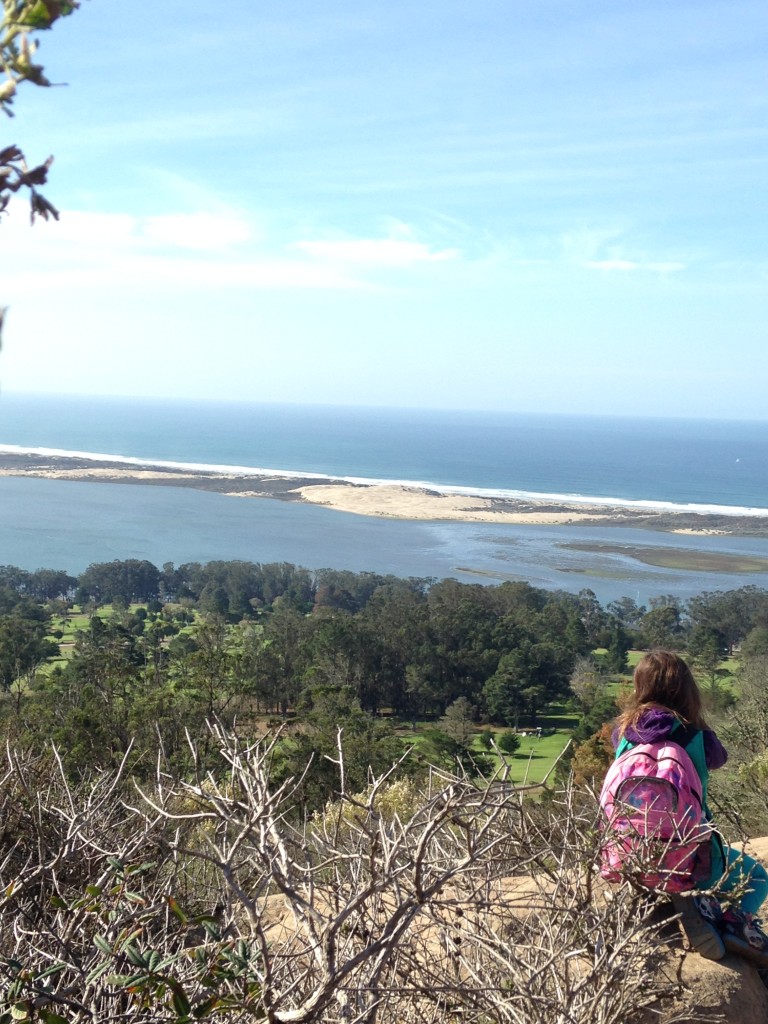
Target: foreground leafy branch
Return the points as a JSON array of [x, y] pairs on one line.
[[17, 53], [211, 899]]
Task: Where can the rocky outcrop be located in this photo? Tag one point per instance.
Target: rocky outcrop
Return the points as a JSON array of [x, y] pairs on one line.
[[730, 990]]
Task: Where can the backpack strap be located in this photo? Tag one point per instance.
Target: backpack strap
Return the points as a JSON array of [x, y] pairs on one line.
[[683, 734], [691, 740]]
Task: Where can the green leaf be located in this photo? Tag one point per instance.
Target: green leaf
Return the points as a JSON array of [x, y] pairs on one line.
[[176, 910], [20, 1011], [38, 16], [127, 980], [204, 1008], [93, 890], [136, 957], [102, 943], [58, 903], [180, 1002], [140, 869], [126, 940], [49, 1017], [98, 971], [49, 971], [168, 962], [62, 8]]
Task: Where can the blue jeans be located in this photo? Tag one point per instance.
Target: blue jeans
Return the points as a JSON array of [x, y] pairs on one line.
[[741, 867]]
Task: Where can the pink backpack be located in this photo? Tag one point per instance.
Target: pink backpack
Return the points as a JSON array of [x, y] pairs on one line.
[[656, 833]]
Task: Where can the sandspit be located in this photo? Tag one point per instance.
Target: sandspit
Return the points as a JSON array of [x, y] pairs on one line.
[[398, 502], [384, 500]]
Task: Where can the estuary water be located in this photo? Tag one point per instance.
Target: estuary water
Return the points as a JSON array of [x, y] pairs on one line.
[[714, 465]]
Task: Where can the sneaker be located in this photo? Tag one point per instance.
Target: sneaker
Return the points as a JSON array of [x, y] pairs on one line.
[[742, 934], [753, 932], [747, 926], [702, 936], [710, 909]]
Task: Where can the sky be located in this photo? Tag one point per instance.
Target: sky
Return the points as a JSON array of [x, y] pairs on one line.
[[522, 205]]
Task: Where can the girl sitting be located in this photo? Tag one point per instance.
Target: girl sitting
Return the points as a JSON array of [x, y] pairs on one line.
[[666, 705]]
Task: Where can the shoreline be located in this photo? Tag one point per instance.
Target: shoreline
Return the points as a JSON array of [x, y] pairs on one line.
[[384, 500]]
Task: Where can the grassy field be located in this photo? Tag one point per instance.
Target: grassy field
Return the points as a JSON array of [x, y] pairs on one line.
[[69, 625], [535, 757]]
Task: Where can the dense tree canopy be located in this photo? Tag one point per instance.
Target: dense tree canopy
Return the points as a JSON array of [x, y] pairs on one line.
[[161, 651]]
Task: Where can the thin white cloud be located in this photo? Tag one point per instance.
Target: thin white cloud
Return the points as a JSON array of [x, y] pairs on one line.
[[612, 264], [150, 274], [74, 227], [625, 265], [199, 231], [264, 273], [608, 249], [203, 251], [585, 245], [235, 123], [116, 231], [382, 252], [670, 267]]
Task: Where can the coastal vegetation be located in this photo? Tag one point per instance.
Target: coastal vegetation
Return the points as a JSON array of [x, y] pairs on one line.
[[128, 654], [238, 790]]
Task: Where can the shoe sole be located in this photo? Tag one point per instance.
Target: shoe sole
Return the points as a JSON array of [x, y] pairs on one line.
[[705, 939]]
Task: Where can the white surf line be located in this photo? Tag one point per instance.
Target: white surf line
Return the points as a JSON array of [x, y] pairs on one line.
[[635, 504]]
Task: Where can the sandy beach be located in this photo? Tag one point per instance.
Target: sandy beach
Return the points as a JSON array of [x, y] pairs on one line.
[[396, 501], [383, 500]]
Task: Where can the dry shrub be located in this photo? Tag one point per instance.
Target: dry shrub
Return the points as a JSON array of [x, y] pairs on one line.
[[210, 899]]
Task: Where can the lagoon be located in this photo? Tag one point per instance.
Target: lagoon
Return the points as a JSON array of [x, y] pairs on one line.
[[68, 525]]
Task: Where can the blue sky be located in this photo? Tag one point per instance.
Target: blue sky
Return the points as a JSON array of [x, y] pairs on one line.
[[520, 205]]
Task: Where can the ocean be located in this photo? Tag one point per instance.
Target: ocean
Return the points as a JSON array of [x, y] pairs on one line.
[[703, 464]]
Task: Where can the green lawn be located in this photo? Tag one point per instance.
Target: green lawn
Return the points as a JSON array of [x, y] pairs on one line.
[[535, 757], [74, 622]]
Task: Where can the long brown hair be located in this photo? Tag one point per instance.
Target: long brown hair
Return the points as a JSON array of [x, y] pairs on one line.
[[663, 680]]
